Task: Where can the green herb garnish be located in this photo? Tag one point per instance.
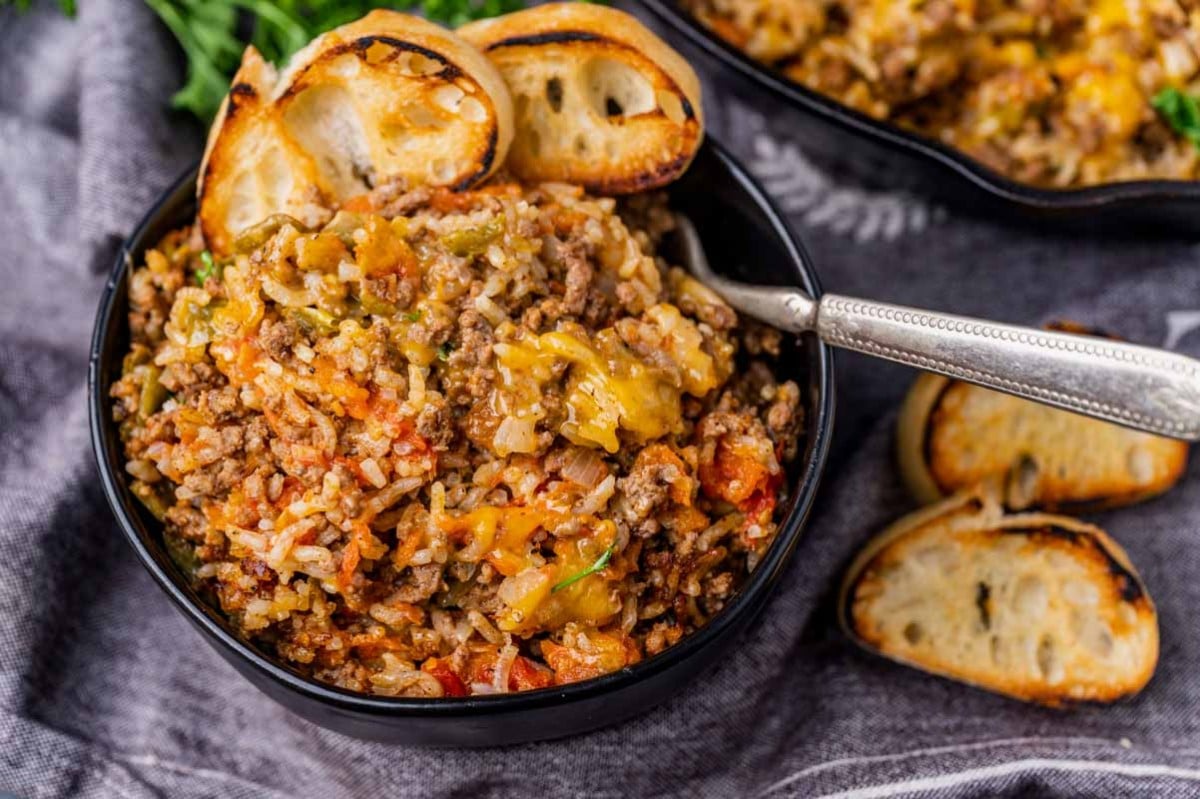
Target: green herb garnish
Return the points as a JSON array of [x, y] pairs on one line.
[[413, 316], [600, 563], [1181, 111], [207, 269], [445, 350], [209, 31], [67, 7]]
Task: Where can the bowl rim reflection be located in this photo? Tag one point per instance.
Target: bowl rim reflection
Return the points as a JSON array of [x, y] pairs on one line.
[[110, 462]]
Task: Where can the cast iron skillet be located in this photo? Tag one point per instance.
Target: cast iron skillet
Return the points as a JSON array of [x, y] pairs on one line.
[[913, 161], [742, 231]]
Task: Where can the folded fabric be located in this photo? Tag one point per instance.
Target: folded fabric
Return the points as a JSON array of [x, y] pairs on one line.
[[106, 691]]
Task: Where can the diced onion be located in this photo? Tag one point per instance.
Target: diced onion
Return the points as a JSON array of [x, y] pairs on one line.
[[484, 627], [372, 472], [585, 467], [490, 310], [515, 435], [508, 653], [288, 297]]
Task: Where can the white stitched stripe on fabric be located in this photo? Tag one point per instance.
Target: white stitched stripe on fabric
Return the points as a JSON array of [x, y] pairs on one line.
[[988, 772], [932, 750]]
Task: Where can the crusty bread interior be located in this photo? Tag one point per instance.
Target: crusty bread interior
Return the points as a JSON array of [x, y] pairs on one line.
[[390, 96], [1038, 607], [951, 435], [600, 100]]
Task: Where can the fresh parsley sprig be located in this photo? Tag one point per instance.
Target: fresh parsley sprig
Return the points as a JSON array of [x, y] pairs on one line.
[[600, 563], [212, 33], [65, 6], [1181, 111]]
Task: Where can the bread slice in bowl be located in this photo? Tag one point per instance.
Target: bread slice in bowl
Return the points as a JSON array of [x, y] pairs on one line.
[[388, 97], [1037, 607], [951, 435], [252, 168], [600, 100]]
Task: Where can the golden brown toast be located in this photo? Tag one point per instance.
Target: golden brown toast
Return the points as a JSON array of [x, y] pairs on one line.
[[251, 167], [1041, 608], [600, 100], [390, 96], [951, 435]]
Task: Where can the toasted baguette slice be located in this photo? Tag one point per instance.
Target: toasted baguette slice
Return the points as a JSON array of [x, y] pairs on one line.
[[390, 96], [600, 100], [951, 435], [1041, 608], [251, 167]]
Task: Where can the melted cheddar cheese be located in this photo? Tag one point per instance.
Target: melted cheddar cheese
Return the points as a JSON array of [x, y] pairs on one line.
[[609, 387]]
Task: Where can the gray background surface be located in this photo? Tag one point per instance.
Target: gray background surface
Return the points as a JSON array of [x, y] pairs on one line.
[[105, 691]]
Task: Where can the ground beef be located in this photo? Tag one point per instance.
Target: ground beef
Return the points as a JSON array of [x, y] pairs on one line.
[[420, 584], [277, 338], [1049, 92], [475, 450], [569, 260]]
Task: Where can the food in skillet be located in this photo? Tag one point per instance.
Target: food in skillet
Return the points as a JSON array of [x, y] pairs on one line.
[[439, 440], [1059, 94]]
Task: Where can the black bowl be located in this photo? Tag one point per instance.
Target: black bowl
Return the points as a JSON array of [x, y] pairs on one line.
[[740, 229], [871, 147]]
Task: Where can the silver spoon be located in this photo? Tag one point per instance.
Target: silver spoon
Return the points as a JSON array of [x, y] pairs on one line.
[[1140, 387]]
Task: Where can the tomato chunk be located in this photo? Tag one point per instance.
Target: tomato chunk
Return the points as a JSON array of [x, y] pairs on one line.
[[526, 675], [736, 474], [606, 653], [452, 684]]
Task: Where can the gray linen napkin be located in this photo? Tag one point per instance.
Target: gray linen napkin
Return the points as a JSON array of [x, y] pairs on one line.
[[105, 690]]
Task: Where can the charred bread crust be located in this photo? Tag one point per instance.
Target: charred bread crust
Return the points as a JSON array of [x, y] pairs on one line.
[[912, 436], [247, 136], [611, 150], [1108, 466], [459, 65], [977, 519], [393, 97]]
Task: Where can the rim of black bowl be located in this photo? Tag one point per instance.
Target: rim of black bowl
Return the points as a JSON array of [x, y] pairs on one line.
[[1067, 199], [109, 461]]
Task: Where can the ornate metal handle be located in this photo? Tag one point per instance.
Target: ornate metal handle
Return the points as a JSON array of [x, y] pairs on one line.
[[1140, 387]]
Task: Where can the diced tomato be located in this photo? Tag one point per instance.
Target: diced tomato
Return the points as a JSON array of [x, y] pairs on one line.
[[405, 549], [482, 667], [414, 442], [733, 476], [245, 365], [309, 456], [383, 251], [526, 675], [523, 675], [657, 456], [354, 398], [354, 468], [350, 557], [761, 505], [609, 653], [452, 684], [444, 200], [293, 489]]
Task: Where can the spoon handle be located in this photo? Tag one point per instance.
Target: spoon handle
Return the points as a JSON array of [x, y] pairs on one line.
[[1139, 387]]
